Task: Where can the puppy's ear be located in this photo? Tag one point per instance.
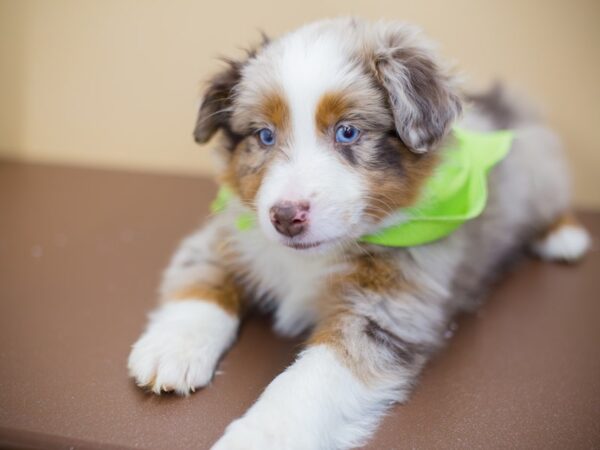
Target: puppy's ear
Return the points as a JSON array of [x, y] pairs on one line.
[[215, 109], [422, 95]]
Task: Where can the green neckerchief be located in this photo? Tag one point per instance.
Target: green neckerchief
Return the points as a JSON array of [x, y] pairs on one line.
[[456, 192], [244, 221]]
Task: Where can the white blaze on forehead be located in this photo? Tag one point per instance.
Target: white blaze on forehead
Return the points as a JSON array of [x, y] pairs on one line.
[[309, 67], [302, 66]]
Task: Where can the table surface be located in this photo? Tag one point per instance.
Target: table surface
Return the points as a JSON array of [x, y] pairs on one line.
[[81, 252]]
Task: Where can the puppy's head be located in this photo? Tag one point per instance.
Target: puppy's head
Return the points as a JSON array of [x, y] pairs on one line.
[[331, 129]]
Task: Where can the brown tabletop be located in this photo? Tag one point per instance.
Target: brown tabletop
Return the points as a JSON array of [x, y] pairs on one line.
[[80, 256]]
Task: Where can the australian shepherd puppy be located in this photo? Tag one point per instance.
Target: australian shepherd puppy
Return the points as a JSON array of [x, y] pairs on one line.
[[329, 134]]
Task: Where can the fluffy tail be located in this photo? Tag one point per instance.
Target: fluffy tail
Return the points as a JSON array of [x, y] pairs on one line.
[[506, 107], [565, 241]]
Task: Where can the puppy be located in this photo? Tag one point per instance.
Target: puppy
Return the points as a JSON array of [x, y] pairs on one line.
[[345, 210]]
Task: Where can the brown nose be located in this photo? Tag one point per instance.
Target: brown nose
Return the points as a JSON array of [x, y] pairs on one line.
[[290, 218]]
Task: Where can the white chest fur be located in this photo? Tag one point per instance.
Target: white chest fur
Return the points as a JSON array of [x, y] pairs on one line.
[[291, 279]]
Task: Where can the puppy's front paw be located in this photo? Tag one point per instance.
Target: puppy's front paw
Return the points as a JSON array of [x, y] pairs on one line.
[[181, 346], [240, 436]]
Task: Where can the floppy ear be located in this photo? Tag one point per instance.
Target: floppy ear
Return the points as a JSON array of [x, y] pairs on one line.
[[422, 95], [215, 108]]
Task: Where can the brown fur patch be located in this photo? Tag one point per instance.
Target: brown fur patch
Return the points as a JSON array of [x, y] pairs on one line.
[[274, 110], [330, 109], [361, 345], [390, 190], [225, 294], [330, 332], [375, 273], [348, 333], [246, 168], [249, 159]]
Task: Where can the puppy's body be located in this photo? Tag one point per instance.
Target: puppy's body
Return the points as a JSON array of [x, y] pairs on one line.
[[376, 313]]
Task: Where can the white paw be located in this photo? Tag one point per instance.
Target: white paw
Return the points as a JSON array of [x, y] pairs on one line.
[[569, 243], [240, 436], [317, 403], [181, 346]]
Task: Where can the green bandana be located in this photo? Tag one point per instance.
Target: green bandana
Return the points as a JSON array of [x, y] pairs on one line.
[[455, 193], [244, 221]]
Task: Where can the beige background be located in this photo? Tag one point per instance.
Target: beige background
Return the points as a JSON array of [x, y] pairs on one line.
[[115, 82]]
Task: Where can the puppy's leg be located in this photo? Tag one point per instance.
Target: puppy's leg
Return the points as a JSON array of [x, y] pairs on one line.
[[335, 393], [197, 322], [566, 240]]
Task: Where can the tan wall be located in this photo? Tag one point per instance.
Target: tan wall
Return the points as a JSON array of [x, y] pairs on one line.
[[115, 82]]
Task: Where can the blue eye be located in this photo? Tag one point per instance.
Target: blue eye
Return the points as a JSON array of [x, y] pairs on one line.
[[266, 136], [346, 134]]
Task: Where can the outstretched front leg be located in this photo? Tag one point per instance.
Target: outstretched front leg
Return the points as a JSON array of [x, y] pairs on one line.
[[196, 322], [364, 356]]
